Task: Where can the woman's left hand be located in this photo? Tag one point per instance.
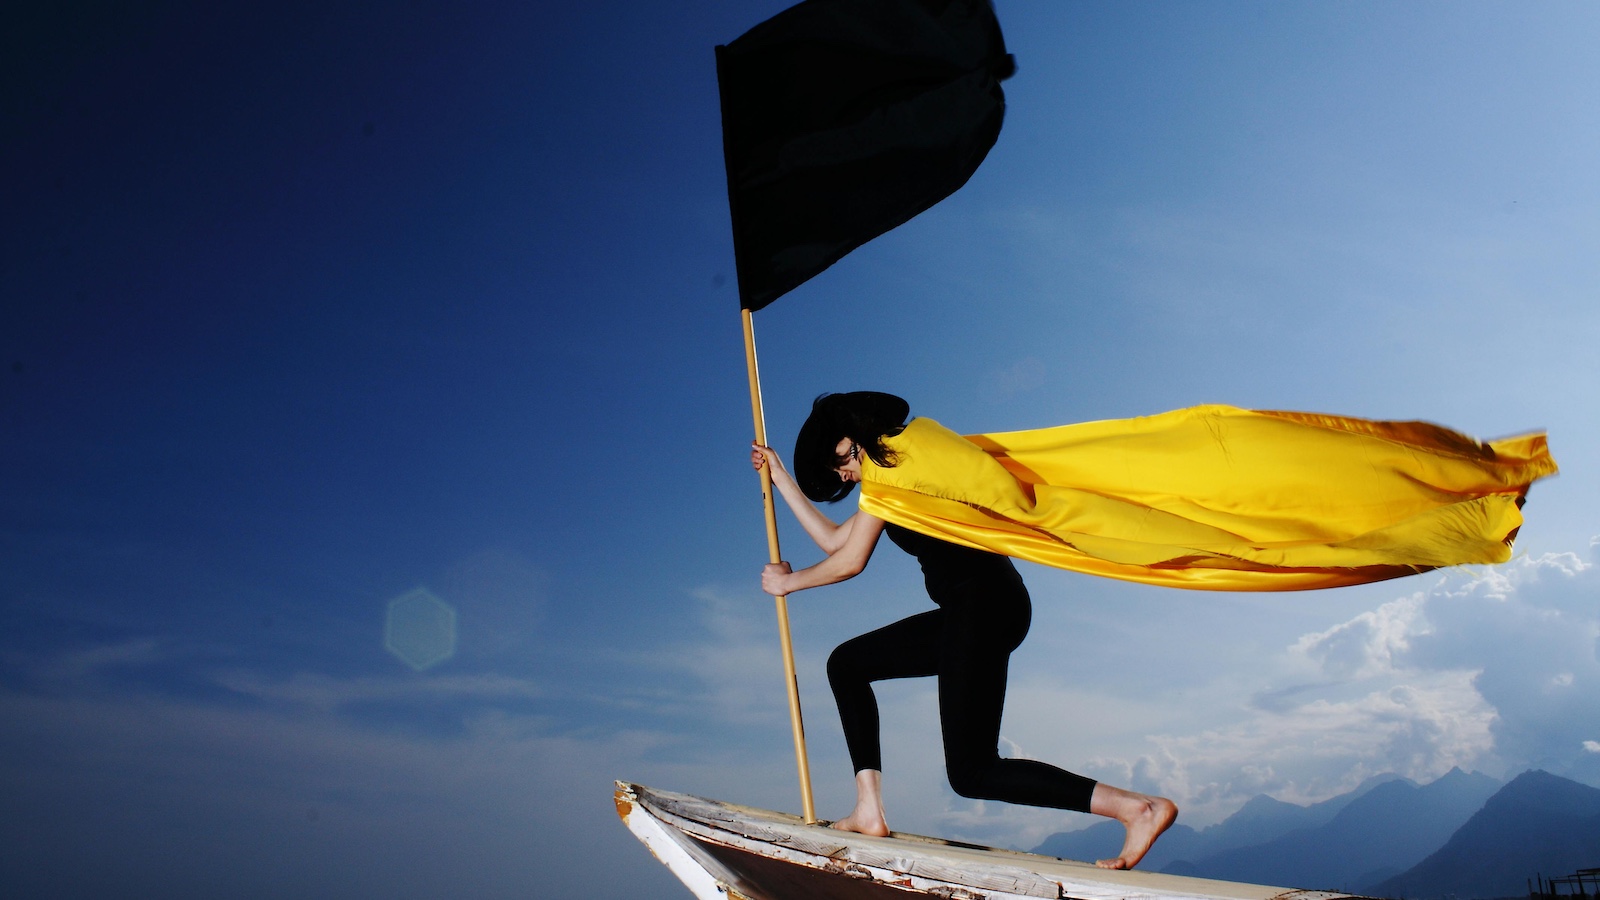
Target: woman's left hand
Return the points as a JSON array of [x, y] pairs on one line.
[[773, 578]]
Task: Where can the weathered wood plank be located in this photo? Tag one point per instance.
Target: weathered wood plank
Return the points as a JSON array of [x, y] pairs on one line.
[[915, 865], [706, 818]]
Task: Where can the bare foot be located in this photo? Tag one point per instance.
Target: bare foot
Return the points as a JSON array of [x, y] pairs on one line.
[[870, 823], [867, 817], [1144, 817]]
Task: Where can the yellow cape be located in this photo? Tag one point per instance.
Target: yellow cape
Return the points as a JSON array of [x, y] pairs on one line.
[[1216, 497]]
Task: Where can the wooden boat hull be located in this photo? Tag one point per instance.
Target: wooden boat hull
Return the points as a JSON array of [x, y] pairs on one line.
[[722, 851]]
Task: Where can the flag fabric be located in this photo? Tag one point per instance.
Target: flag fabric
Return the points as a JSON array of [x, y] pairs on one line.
[[842, 119], [1216, 497]]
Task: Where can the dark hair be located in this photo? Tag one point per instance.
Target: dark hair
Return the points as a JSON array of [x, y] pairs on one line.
[[866, 417]]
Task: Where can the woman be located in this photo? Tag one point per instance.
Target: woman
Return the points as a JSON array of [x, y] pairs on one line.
[[983, 615]]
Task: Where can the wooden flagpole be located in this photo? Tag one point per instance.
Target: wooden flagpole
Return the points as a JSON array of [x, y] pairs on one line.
[[773, 555]]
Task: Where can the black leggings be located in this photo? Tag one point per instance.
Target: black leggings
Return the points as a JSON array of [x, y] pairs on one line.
[[967, 643]]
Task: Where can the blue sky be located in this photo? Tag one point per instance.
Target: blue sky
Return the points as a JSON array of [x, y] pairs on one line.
[[303, 309]]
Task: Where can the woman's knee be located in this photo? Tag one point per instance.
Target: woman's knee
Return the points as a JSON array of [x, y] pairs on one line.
[[844, 664], [969, 779]]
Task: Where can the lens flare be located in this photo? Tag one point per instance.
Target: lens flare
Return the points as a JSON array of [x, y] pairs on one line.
[[420, 629]]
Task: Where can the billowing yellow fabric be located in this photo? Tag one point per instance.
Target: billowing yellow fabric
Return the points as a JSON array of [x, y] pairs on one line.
[[1216, 497]]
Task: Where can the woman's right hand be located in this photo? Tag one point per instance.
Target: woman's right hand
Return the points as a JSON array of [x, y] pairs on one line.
[[774, 578]]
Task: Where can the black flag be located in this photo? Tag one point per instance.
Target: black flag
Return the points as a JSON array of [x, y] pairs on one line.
[[842, 119]]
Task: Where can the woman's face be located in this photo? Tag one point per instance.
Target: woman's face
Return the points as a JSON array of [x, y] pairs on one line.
[[849, 459]]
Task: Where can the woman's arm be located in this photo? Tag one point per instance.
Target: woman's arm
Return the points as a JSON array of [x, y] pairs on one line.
[[863, 530], [828, 535]]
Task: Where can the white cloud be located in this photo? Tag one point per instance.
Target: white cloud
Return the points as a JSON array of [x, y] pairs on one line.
[[316, 806], [1419, 729], [733, 672], [88, 663], [1502, 666], [1531, 629], [1368, 644], [330, 694], [1024, 375]]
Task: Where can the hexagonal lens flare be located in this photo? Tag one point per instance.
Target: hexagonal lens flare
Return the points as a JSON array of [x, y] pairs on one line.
[[420, 629]]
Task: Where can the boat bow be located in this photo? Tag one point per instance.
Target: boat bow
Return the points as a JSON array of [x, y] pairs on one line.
[[723, 851]]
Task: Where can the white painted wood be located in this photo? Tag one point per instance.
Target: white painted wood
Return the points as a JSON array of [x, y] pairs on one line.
[[668, 848]]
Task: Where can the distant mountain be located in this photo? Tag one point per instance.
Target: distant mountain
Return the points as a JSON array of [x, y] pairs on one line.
[[1382, 832], [1261, 819], [1538, 824]]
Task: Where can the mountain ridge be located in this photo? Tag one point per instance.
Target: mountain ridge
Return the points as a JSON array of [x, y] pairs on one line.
[[1380, 833], [1538, 824]]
